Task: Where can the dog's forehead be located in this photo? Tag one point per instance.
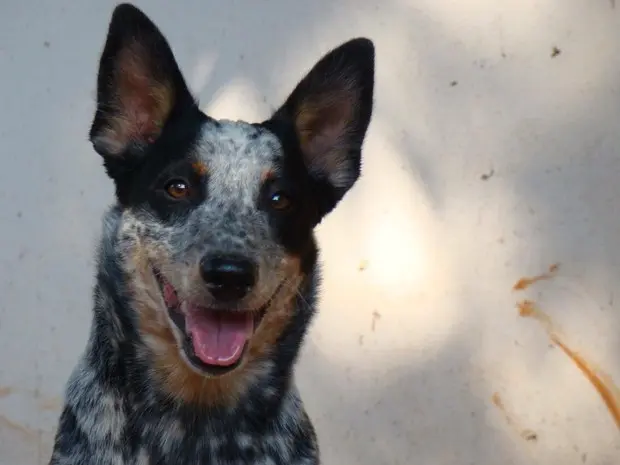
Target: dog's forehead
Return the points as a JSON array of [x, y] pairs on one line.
[[238, 157], [236, 148]]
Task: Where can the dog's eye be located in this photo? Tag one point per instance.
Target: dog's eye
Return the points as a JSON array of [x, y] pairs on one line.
[[177, 189], [280, 201]]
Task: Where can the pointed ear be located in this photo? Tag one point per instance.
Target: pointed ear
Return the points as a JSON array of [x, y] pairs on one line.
[[138, 86], [330, 110]]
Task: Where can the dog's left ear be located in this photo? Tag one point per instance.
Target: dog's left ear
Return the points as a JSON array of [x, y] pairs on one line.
[[330, 110]]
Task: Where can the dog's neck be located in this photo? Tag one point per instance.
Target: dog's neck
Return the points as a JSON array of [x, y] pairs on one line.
[[115, 353]]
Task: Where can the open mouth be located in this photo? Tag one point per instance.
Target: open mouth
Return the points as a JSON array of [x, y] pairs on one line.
[[214, 341]]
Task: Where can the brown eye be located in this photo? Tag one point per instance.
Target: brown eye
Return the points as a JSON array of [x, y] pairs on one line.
[[177, 189], [280, 201]]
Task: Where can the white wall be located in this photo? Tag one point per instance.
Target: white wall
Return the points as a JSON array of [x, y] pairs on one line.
[[464, 88]]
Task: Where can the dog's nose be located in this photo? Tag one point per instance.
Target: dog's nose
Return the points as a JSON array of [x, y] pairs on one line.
[[228, 277]]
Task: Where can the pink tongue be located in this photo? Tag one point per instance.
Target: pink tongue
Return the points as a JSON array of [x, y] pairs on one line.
[[218, 337]]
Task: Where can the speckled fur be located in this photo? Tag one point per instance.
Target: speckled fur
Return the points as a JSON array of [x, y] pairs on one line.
[[134, 397], [117, 413]]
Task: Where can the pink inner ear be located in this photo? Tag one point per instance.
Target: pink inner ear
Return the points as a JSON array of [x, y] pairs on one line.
[[323, 124], [141, 102]]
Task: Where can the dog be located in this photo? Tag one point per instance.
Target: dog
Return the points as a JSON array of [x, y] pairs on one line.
[[207, 265]]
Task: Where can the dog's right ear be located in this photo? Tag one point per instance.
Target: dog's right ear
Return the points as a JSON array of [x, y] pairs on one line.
[[139, 86]]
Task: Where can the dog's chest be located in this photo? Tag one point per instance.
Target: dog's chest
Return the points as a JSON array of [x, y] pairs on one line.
[[170, 442]]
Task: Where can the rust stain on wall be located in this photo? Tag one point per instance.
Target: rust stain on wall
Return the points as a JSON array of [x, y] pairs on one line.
[[602, 382], [50, 403], [10, 424], [44, 403], [526, 282], [525, 433]]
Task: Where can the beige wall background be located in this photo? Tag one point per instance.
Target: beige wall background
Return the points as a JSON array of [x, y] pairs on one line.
[[490, 156]]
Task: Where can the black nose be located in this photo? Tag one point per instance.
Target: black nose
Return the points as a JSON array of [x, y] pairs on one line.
[[228, 277]]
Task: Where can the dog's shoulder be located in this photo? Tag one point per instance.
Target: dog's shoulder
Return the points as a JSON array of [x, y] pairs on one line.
[[92, 422], [100, 425]]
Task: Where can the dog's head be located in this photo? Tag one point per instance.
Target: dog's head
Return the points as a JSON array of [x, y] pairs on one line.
[[218, 216]]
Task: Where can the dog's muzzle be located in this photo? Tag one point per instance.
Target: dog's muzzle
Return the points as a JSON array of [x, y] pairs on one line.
[[215, 340]]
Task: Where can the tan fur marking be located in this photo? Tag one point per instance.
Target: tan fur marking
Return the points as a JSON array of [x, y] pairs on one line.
[[277, 317], [200, 168], [267, 175], [177, 378]]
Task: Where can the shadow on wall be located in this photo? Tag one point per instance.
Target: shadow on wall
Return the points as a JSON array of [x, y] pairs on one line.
[[429, 413], [507, 169]]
